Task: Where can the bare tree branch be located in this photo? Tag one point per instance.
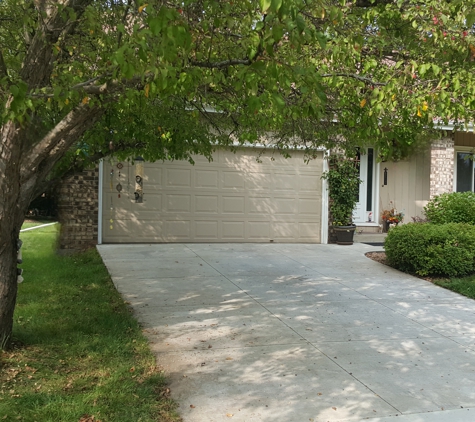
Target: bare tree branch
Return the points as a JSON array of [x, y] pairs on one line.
[[37, 65], [353, 76], [45, 153], [223, 64], [3, 67]]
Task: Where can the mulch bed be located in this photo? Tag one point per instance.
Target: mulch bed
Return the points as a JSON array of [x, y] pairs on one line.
[[378, 257]]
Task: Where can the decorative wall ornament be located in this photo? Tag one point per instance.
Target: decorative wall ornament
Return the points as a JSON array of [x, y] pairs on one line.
[[111, 220], [139, 173], [119, 186]]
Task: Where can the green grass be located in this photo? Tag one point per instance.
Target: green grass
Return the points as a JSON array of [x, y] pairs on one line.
[[465, 285], [78, 351], [33, 223]]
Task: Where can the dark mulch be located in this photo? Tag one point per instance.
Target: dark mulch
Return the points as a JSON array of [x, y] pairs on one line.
[[378, 257]]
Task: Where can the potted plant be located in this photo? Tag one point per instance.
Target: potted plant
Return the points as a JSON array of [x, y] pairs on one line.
[[343, 179], [391, 216]]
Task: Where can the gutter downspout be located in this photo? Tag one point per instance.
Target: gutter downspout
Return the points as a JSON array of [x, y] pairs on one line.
[[325, 199], [99, 200]]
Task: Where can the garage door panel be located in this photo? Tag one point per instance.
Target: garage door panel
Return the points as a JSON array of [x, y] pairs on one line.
[[206, 179], [308, 207], [200, 159], [206, 230], [240, 159], [152, 201], [282, 230], [233, 230], [180, 178], [258, 230], [178, 203], [152, 175], [206, 204], [259, 205], [178, 230], [122, 206], [309, 231], [309, 183], [285, 182], [232, 199], [126, 231], [258, 181], [234, 204], [232, 180], [285, 206]]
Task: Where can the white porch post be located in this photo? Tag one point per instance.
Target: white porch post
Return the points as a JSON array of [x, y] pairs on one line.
[[325, 199]]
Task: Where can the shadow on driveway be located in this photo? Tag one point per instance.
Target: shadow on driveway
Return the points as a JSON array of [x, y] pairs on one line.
[[299, 332]]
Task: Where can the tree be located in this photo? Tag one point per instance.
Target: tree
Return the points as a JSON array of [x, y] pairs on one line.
[[80, 79]]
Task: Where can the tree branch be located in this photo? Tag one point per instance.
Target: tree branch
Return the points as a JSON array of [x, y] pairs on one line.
[[373, 3], [3, 67], [39, 160], [37, 65], [222, 64], [353, 76]]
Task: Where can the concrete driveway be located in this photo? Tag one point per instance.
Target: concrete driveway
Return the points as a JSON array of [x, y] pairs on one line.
[[299, 332]]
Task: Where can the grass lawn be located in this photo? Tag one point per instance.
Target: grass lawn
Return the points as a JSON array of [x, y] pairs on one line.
[[33, 223], [79, 355], [465, 286]]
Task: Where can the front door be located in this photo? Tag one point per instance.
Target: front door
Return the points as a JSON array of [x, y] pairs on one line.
[[364, 210]]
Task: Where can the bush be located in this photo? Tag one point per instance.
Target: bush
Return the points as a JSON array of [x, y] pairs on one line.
[[446, 250], [456, 207]]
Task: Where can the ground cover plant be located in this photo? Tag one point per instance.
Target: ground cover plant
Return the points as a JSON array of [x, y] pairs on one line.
[[78, 353]]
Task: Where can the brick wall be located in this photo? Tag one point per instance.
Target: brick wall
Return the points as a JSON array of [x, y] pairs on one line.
[[77, 210], [441, 167]]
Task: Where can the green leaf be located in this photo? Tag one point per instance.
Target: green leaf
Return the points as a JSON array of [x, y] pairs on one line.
[[278, 99], [470, 19], [14, 90], [265, 4], [276, 5]]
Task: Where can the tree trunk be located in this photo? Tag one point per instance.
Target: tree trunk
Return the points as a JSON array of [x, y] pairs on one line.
[[23, 170], [12, 210]]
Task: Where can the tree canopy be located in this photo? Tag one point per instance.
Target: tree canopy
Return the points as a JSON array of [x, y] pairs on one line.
[[318, 73], [81, 79]]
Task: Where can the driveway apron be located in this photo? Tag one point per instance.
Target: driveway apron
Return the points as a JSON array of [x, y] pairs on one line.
[[299, 332]]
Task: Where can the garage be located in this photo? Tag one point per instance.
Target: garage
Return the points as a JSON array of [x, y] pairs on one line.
[[234, 198]]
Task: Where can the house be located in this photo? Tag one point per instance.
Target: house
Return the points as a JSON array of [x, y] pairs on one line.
[[243, 196]]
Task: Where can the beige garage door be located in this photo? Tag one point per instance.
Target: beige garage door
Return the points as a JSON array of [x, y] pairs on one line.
[[232, 199]]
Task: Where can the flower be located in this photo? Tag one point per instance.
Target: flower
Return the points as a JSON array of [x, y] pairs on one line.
[[391, 215]]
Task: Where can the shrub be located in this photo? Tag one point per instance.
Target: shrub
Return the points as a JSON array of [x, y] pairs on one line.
[[447, 249], [455, 207], [343, 185]]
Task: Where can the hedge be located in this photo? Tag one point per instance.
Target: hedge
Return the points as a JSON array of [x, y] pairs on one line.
[[430, 249], [455, 207]]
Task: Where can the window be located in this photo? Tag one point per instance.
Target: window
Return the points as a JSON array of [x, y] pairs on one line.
[[464, 169]]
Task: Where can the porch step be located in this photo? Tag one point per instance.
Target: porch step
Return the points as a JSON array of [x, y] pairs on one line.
[[369, 237]]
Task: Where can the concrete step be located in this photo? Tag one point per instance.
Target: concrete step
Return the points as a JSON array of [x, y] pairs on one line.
[[367, 237]]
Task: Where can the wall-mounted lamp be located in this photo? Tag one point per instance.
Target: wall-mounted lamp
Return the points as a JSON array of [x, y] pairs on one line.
[[385, 177], [139, 170]]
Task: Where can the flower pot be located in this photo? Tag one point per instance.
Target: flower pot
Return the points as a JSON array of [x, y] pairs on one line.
[[387, 225], [344, 234]]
